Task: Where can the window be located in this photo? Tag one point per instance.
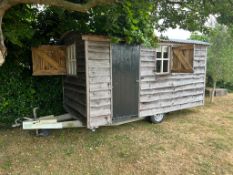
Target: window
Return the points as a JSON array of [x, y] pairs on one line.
[[163, 60], [71, 60], [182, 59], [49, 60]]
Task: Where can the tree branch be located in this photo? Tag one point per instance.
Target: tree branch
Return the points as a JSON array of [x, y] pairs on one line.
[[64, 4], [3, 50]]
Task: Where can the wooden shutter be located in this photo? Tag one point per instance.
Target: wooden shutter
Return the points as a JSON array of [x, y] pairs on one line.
[[182, 61], [49, 60]]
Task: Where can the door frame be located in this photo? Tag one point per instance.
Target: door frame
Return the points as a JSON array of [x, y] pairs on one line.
[[137, 117]]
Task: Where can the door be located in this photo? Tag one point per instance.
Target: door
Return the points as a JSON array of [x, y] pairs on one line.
[[125, 75]]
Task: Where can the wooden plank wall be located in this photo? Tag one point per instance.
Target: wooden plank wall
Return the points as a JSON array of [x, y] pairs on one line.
[[166, 93], [74, 87], [99, 77]]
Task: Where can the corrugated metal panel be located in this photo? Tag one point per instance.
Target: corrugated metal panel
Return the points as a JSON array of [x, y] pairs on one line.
[[125, 70]]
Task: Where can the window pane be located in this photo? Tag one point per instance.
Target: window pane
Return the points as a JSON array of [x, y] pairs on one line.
[[159, 52], [165, 66], [159, 55], [71, 61], [165, 49], [158, 66], [165, 55], [165, 52]]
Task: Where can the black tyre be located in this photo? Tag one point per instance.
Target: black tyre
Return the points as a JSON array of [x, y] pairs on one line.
[[42, 133], [158, 118]]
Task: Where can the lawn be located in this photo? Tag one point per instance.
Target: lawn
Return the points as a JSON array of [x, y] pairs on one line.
[[195, 141]]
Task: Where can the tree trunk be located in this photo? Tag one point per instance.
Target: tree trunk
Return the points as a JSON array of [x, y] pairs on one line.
[[68, 5], [213, 92], [3, 50]]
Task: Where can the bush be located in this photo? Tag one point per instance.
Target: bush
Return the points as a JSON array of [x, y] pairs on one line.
[[20, 92]]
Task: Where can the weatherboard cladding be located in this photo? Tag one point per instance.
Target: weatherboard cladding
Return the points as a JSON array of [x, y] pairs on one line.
[[99, 83], [157, 93], [175, 91], [74, 87]]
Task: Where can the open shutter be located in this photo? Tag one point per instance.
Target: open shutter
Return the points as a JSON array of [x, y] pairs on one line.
[[49, 60], [182, 61]]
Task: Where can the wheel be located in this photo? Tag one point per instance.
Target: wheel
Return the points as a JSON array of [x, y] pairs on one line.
[[42, 132], [158, 118]]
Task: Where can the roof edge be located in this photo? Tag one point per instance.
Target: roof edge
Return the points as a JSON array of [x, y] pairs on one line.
[[185, 41], [95, 38]]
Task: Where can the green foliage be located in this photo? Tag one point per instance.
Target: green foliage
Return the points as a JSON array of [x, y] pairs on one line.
[[20, 92], [189, 15], [54, 22], [220, 55], [224, 11], [199, 37], [17, 24], [192, 15], [164, 37], [132, 21]]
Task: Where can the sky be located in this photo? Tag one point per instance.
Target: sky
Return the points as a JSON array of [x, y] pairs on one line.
[[184, 34], [176, 33]]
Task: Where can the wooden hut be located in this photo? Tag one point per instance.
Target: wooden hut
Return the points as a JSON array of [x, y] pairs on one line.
[[107, 84]]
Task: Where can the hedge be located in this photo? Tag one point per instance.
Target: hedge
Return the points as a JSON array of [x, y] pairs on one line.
[[20, 92]]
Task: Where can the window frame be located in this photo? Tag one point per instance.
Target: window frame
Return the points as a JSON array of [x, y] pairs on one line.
[[71, 61], [162, 59]]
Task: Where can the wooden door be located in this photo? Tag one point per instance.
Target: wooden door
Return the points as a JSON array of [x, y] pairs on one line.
[[125, 73]]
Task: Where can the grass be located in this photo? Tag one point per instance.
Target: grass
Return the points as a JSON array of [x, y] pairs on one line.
[[194, 141]]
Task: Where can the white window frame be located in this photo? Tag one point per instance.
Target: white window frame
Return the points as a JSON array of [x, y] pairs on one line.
[[71, 61], [161, 49]]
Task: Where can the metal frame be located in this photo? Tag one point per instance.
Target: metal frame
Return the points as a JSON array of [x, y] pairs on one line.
[[52, 122]]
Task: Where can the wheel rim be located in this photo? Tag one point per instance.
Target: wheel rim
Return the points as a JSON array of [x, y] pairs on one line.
[[158, 117]]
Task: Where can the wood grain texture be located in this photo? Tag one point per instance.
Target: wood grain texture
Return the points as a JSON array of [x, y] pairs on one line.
[[175, 91], [74, 87], [49, 60], [99, 82], [182, 59], [97, 38]]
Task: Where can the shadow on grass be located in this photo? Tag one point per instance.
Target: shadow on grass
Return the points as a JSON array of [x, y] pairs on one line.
[[180, 115]]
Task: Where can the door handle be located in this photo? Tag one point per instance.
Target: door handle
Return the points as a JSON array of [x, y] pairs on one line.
[[137, 81]]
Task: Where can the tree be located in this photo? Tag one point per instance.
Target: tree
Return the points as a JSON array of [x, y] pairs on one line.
[[199, 37], [190, 15], [220, 56], [20, 91], [129, 20], [81, 6]]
